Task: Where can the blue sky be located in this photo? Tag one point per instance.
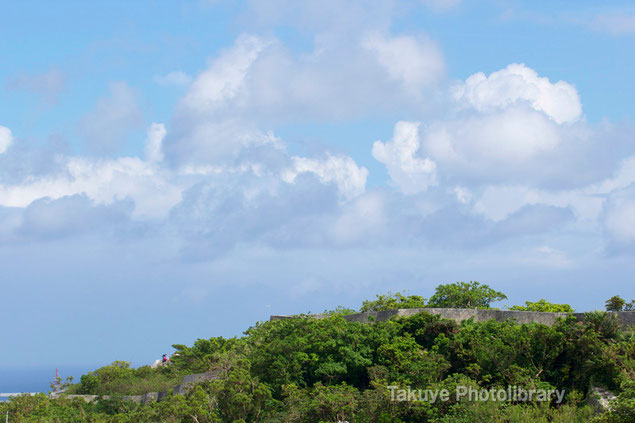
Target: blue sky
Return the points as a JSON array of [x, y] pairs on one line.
[[175, 170]]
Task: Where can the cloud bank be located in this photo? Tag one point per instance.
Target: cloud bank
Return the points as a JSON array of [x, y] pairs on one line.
[[491, 171], [293, 158]]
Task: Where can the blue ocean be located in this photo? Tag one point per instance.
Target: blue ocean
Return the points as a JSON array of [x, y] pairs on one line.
[[37, 378]]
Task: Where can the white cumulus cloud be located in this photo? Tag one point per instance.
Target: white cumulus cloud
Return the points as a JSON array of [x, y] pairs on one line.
[[411, 174], [513, 135], [342, 170], [515, 126], [413, 62], [224, 78], [173, 78], [6, 138], [519, 83], [154, 140], [104, 182], [260, 80], [619, 217]]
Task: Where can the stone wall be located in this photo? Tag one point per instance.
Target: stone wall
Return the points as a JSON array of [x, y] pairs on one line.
[[189, 381], [600, 399], [183, 388], [626, 318]]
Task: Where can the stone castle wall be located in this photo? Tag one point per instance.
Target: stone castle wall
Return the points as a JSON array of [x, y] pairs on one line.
[[183, 388], [626, 318]]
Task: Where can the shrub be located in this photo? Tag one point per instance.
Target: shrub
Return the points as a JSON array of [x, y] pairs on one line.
[[465, 295], [392, 302], [544, 306]]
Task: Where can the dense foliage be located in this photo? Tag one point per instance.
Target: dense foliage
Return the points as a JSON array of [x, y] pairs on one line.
[[465, 295], [454, 295], [121, 379], [544, 306], [393, 301], [330, 369], [617, 303]]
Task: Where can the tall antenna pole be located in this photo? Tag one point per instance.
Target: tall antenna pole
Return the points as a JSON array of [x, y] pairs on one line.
[[56, 384]]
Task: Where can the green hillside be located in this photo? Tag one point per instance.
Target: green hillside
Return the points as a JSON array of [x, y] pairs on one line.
[[329, 369]]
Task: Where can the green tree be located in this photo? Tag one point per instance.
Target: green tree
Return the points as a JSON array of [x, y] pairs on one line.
[[605, 324], [119, 378], [310, 370], [615, 303], [410, 364], [426, 328], [321, 403], [544, 306], [465, 295], [392, 302], [305, 351], [203, 355], [623, 409], [240, 396]]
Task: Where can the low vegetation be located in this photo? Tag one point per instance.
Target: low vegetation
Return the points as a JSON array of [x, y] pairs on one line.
[[544, 306], [119, 378], [616, 303], [326, 370]]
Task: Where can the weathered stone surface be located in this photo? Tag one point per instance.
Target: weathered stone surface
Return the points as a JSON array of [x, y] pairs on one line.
[[200, 377], [179, 390], [189, 381], [183, 388], [150, 397], [87, 398], [600, 399], [626, 318]]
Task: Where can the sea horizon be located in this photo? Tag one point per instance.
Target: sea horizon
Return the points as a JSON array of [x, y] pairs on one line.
[[38, 378]]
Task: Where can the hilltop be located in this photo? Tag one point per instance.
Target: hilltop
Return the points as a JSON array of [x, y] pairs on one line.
[[394, 369]]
